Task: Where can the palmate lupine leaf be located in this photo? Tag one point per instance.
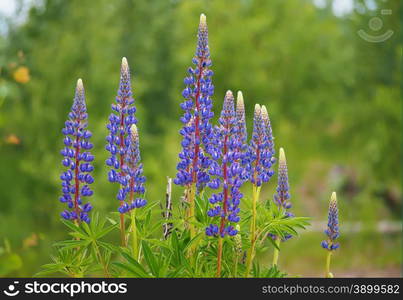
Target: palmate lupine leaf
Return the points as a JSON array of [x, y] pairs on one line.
[[73, 263], [132, 266]]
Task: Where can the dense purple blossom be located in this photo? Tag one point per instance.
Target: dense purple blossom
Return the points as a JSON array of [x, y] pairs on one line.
[[77, 159], [332, 230], [227, 173], [119, 138], [260, 150], [197, 130], [281, 198]]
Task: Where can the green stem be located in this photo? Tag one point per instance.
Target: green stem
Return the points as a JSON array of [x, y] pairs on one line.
[[328, 274], [236, 265], [101, 260], [276, 251], [190, 217], [122, 230], [134, 234], [219, 257], [251, 251]]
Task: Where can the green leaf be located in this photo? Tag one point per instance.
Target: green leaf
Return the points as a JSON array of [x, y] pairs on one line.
[[150, 259]]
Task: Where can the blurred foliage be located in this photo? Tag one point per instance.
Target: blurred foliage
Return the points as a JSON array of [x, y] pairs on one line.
[[333, 99]]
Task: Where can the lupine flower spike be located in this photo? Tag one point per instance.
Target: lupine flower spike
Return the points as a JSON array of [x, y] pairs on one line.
[[77, 159], [134, 170], [281, 199], [228, 174], [260, 156], [240, 117], [332, 232], [197, 130], [269, 132], [120, 121]]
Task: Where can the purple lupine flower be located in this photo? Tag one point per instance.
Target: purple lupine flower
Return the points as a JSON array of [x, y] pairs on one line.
[[227, 171], [77, 158], [120, 121], [332, 230], [133, 168], [269, 132], [240, 117], [197, 130], [283, 195], [260, 155]]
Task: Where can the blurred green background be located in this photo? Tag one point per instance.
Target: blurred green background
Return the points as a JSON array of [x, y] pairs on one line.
[[332, 96]]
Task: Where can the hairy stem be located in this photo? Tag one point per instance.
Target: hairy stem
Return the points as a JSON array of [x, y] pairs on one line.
[[328, 274], [122, 230], [251, 251], [101, 260], [276, 252], [134, 234], [236, 265], [219, 256]]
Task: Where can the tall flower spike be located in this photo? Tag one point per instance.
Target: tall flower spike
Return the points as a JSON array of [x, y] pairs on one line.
[[228, 173], [269, 132], [332, 230], [133, 168], [260, 155], [197, 130], [120, 121], [283, 195], [77, 159]]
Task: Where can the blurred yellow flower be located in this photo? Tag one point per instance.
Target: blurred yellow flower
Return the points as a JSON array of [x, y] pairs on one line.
[[21, 75], [12, 139]]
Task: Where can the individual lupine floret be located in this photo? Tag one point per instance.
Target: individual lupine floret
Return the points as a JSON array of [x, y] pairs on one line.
[[197, 130], [260, 153], [332, 230], [77, 158], [120, 122]]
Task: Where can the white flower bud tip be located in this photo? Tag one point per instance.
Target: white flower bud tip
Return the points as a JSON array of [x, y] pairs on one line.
[[282, 159]]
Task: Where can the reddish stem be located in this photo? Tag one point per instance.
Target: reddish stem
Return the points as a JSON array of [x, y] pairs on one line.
[[197, 118], [76, 180], [225, 200], [121, 145]]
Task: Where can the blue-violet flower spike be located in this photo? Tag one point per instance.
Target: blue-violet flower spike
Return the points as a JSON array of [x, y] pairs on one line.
[[227, 172], [77, 159], [269, 132], [260, 155], [332, 230], [118, 140], [282, 196], [197, 130]]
